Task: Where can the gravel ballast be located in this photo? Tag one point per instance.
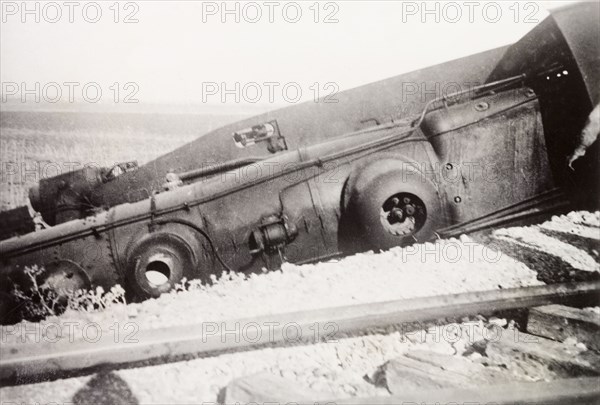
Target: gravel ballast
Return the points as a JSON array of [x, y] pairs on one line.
[[445, 267], [339, 368], [534, 238]]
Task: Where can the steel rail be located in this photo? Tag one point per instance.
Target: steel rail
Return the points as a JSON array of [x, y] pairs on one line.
[[28, 362]]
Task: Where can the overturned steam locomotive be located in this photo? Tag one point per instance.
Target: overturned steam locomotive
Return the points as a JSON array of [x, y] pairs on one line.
[[381, 168]]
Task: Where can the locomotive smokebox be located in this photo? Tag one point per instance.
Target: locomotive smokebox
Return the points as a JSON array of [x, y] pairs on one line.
[[66, 196]]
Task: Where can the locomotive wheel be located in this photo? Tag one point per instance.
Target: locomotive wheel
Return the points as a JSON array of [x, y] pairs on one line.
[[157, 263], [390, 208], [63, 278]]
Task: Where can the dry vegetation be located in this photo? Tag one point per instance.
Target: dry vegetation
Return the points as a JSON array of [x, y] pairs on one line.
[[35, 301]]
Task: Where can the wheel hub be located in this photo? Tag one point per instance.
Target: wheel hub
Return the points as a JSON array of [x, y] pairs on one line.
[[403, 214]]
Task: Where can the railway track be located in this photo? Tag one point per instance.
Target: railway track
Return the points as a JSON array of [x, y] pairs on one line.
[[27, 363]]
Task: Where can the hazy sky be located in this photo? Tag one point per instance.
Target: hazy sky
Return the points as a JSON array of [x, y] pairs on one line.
[[176, 50]]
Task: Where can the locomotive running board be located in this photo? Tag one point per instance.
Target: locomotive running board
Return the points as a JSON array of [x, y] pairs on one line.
[[547, 202]]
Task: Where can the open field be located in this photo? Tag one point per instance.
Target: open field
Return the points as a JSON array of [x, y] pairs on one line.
[[41, 144]]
